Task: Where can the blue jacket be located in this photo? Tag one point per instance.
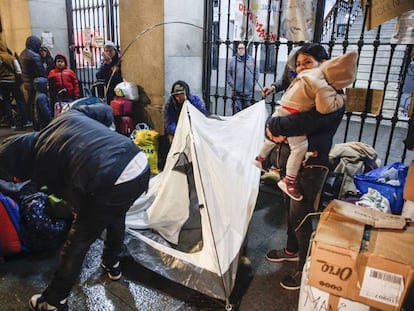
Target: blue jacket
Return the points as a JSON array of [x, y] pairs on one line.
[[31, 62], [43, 111], [172, 111], [242, 74]]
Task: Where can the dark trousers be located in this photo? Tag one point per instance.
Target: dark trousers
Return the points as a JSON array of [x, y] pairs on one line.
[[299, 232], [105, 210], [11, 90], [241, 101]]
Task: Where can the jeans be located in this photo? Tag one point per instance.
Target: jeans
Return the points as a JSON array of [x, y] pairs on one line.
[[104, 210], [241, 101], [299, 230]]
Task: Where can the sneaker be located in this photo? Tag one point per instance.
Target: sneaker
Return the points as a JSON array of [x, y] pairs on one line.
[[260, 163], [38, 303], [292, 282], [279, 255], [291, 189], [113, 272], [28, 124]]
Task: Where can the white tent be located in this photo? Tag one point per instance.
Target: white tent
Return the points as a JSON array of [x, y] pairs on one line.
[[191, 224]]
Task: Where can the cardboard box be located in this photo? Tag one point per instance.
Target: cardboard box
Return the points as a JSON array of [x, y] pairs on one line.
[[363, 255], [314, 299], [409, 184]]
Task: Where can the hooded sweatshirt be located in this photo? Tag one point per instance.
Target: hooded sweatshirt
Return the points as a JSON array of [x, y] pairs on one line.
[[7, 64], [318, 87], [60, 79], [31, 62], [43, 112]]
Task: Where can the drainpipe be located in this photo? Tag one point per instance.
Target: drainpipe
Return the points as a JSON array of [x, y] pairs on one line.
[[319, 21], [206, 83]]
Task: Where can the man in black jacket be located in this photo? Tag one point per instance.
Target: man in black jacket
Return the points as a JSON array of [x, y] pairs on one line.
[[32, 67], [320, 129], [96, 169]]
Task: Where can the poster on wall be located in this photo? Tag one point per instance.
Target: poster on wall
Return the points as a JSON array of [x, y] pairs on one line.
[[47, 39], [251, 23], [298, 20], [381, 11], [255, 21]]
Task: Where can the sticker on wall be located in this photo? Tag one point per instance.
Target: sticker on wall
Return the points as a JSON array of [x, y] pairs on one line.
[[99, 41], [47, 39]]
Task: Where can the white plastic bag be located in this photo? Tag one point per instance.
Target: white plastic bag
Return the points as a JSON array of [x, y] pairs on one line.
[[374, 200], [128, 90]]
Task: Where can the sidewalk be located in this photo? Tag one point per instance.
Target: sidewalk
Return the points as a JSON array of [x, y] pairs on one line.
[[257, 285]]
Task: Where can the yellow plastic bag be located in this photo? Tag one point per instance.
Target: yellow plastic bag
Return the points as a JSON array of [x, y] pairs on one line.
[[147, 141]]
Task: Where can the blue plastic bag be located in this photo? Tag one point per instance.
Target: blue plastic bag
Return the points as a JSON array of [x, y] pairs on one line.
[[379, 179]]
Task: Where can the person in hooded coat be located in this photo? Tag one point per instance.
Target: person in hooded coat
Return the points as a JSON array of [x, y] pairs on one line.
[[97, 170], [180, 91], [110, 70], [32, 67], [63, 78], [9, 88], [47, 59], [242, 74], [43, 111]]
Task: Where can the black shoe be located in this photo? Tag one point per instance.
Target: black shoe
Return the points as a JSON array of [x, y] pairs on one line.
[[113, 272], [292, 282], [279, 255], [38, 303]]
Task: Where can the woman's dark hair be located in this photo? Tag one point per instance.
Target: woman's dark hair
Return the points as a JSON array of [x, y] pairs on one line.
[[184, 85], [314, 49]]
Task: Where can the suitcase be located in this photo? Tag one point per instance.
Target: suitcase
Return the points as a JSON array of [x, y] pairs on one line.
[[125, 125], [58, 107], [121, 106]]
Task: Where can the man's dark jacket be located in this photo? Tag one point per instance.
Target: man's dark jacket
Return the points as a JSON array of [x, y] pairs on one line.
[[74, 154]]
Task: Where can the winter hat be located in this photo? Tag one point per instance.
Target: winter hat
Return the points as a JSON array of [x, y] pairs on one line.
[[44, 48], [314, 49], [178, 89], [291, 61], [110, 44]]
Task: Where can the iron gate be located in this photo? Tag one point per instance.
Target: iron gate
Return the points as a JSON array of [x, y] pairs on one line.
[[380, 120], [382, 66], [90, 24]]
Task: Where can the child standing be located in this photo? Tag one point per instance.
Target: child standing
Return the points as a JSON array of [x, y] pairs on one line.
[[63, 78], [318, 85], [43, 112]]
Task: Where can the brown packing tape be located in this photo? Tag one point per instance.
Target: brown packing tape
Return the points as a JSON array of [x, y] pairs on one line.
[[333, 302], [368, 216]]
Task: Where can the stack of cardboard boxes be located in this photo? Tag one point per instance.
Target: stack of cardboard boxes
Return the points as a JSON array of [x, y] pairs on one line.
[[360, 259]]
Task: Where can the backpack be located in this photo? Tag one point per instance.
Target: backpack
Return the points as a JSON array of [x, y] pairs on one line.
[[39, 230], [10, 233]]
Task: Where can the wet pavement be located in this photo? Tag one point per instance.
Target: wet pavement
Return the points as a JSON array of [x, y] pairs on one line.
[[257, 285]]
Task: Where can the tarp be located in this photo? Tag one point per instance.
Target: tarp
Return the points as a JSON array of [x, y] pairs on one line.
[[191, 224]]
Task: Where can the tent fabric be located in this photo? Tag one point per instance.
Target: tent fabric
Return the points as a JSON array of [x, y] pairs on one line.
[[209, 173]]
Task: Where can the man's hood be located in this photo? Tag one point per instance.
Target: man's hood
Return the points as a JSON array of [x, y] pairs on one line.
[[40, 84], [33, 43], [16, 156]]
